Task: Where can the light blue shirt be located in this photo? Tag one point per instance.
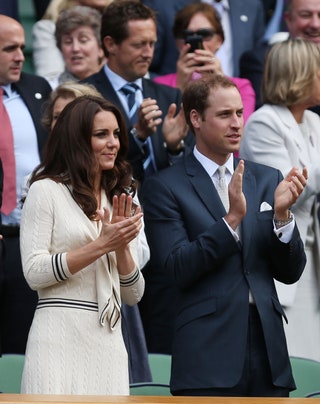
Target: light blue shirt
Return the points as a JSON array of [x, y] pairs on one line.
[[118, 82], [25, 145]]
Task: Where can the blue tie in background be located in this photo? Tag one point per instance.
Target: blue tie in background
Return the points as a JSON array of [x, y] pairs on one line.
[[129, 90]]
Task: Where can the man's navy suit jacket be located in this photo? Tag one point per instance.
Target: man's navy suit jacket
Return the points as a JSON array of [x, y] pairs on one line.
[[164, 95], [35, 90], [196, 255]]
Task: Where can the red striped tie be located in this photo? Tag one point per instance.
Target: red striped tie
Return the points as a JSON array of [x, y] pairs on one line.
[[9, 197]]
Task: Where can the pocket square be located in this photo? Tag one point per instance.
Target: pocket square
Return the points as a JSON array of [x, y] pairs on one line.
[[265, 206]]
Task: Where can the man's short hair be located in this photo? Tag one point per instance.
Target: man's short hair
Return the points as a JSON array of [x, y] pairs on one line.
[[196, 94], [116, 16]]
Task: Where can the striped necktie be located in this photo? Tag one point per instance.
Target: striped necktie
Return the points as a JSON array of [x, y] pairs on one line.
[[129, 90], [9, 197]]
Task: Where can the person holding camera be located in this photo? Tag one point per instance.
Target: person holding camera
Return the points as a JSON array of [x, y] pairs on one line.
[[199, 35]]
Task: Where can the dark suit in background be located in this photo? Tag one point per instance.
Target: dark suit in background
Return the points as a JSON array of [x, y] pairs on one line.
[[166, 53], [9, 8], [165, 96], [251, 68], [247, 26]]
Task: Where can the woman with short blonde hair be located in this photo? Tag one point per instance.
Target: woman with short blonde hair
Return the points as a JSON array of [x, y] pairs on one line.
[[290, 72], [284, 133]]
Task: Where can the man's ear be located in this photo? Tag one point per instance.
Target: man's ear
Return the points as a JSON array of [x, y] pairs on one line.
[[110, 45], [195, 118]]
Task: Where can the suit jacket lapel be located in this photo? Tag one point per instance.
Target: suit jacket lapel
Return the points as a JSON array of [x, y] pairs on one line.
[[34, 100], [294, 130], [103, 85], [249, 187], [204, 187]]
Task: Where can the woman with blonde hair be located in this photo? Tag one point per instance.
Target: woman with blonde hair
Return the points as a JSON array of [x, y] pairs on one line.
[[284, 133]]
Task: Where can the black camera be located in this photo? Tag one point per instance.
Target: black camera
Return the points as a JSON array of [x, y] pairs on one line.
[[195, 41]]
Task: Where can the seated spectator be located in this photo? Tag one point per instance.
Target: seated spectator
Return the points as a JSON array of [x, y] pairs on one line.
[[60, 97], [47, 58], [284, 133], [302, 20], [78, 38], [243, 23], [202, 19]]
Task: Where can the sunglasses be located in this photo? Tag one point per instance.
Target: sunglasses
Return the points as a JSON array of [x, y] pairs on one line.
[[206, 33]]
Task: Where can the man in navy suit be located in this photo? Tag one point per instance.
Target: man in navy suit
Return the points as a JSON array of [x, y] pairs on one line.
[[128, 34], [24, 95], [221, 262]]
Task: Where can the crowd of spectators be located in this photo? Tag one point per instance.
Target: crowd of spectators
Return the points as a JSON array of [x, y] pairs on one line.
[[137, 56]]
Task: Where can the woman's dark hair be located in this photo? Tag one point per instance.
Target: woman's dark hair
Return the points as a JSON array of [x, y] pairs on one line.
[[184, 16], [69, 158]]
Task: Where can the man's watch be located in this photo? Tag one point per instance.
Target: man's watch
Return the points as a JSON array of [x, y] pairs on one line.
[[281, 223], [135, 134], [177, 150]]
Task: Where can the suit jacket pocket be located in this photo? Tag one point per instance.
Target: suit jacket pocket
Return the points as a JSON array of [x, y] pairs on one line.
[[195, 311], [266, 215], [278, 308]]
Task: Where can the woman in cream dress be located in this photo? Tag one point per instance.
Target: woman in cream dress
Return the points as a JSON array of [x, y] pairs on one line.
[[81, 241], [282, 134]]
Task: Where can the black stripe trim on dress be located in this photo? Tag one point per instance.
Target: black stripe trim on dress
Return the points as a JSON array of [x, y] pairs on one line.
[[117, 303], [67, 303], [57, 268], [104, 312], [132, 280]]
